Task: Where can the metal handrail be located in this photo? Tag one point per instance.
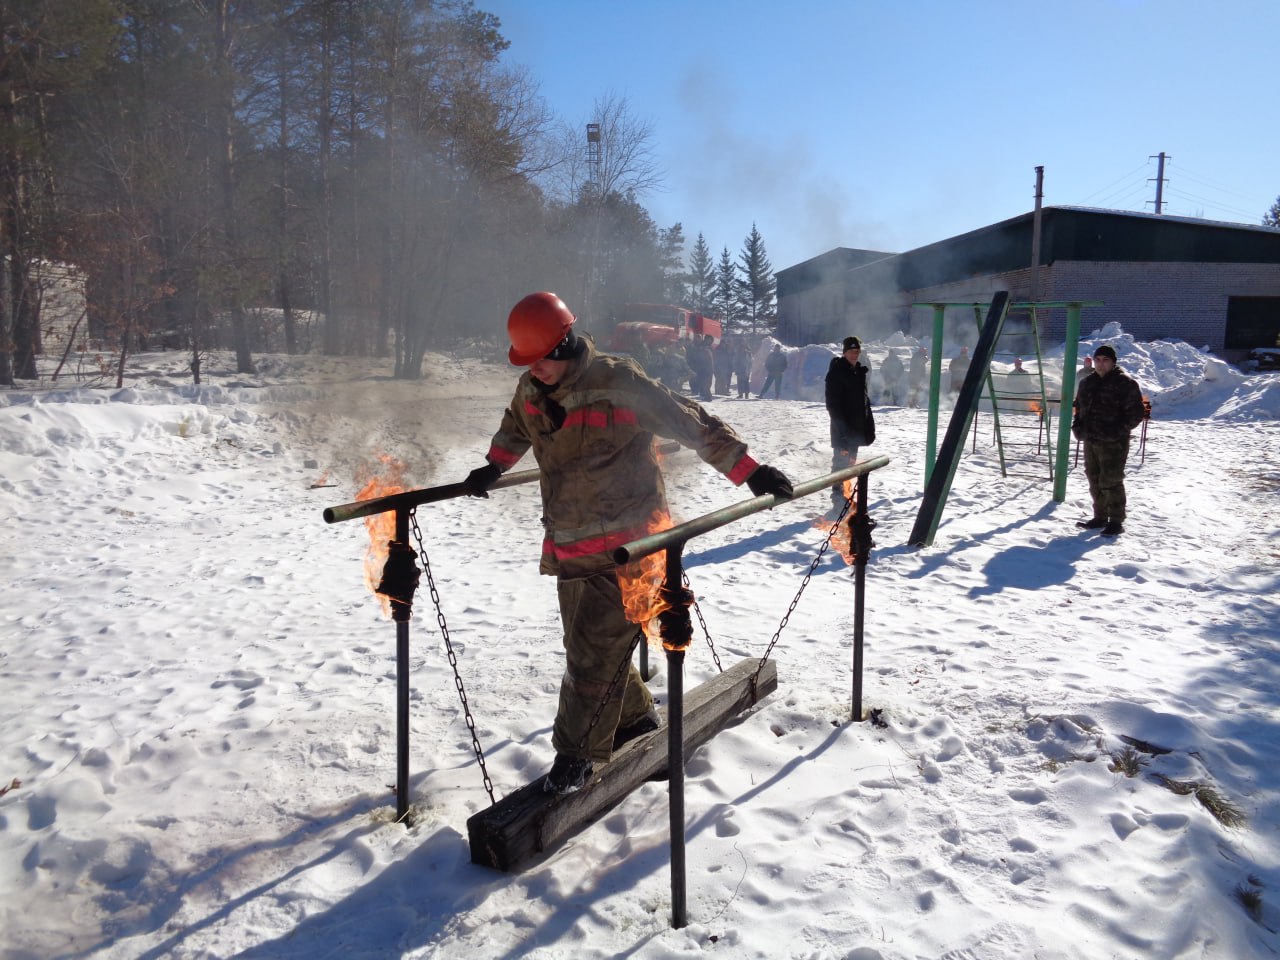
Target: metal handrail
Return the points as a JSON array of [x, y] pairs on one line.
[[644, 546], [447, 491]]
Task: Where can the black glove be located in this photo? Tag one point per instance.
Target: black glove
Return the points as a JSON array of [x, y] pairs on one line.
[[765, 479], [481, 479]]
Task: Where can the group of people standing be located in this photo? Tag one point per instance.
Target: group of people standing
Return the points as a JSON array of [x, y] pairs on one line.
[[711, 369], [895, 376]]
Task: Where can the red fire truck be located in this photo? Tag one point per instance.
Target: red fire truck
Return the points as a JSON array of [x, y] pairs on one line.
[[655, 323]]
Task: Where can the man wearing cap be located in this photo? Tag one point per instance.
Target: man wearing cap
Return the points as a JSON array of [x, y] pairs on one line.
[[849, 406], [590, 420], [775, 364], [1108, 407]]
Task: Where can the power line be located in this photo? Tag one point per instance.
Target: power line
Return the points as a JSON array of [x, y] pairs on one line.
[[1124, 203], [1182, 171], [1142, 166], [1127, 189], [1214, 205]]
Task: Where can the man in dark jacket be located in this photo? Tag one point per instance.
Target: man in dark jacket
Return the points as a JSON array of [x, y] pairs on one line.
[[722, 359], [703, 366], [849, 407], [742, 368], [774, 366], [1108, 407]]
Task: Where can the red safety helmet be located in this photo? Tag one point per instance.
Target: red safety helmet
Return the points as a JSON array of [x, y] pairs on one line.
[[535, 325]]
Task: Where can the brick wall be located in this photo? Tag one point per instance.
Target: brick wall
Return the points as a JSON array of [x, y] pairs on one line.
[[1151, 301]]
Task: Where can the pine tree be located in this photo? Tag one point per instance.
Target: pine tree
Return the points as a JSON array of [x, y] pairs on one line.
[[702, 277], [759, 288], [1272, 217], [727, 300], [671, 259]]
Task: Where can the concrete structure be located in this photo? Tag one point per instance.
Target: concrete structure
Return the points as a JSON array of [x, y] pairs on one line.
[[63, 324], [1209, 283]]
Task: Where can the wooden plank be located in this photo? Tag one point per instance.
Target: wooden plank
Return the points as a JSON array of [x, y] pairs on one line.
[[531, 821]]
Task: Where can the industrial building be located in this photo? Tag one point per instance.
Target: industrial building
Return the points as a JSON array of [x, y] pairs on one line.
[[1211, 284]]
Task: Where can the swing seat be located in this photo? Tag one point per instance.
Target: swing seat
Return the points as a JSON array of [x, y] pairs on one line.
[[531, 821]]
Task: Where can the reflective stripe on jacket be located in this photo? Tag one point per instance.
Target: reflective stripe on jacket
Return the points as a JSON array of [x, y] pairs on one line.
[[601, 484]]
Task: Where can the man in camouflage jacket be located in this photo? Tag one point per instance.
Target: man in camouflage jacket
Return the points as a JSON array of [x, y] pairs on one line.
[[1108, 406]]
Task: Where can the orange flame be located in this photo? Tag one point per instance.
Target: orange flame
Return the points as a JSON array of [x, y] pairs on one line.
[[842, 539], [1034, 407], [381, 526], [642, 581]]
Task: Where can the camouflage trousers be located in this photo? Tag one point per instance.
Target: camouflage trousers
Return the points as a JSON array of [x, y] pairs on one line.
[[597, 636], [1104, 469]]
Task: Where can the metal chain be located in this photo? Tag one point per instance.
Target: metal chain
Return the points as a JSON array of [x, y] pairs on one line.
[[613, 685], [803, 583], [705, 631], [453, 658]]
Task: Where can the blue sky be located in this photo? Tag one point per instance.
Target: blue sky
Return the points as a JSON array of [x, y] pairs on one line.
[[890, 125]]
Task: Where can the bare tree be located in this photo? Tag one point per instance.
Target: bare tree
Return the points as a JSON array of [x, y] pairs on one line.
[[625, 162], [616, 164]]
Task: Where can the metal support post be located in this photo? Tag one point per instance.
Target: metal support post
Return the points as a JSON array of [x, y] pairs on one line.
[[860, 527], [675, 771], [401, 612], [676, 629], [935, 391], [1065, 412]]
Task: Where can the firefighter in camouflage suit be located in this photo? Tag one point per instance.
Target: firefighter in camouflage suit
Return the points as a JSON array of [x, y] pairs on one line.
[[590, 420]]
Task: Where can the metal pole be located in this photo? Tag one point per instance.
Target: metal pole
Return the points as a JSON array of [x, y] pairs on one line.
[[1065, 411], [402, 612], [935, 391], [1037, 223], [859, 592], [448, 491], [643, 546], [675, 769], [677, 634], [412, 498], [1160, 184]]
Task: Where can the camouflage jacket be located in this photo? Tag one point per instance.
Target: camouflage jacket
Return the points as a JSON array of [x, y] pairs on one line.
[[1107, 408], [593, 438]]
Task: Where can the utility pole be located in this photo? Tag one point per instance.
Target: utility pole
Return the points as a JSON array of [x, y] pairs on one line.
[[597, 203], [1160, 183], [1035, 238]]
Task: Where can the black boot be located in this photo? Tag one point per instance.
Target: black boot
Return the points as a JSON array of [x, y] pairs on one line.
[[1093, 523], [567, 774], [646, 724], [1113, 528]]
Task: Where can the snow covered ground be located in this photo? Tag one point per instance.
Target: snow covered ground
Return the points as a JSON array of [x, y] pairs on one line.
[[1079, 761]]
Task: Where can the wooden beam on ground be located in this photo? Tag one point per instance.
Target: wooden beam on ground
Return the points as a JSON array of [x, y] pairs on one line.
[[530, 821]]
